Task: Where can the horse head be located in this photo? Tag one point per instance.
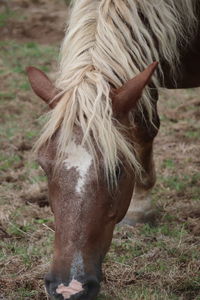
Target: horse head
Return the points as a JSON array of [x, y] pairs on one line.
[[86, 209]]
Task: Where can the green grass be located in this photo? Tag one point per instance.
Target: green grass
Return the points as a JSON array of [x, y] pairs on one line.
[[27, 252], [141, 293], [144, 293], [193, 134], [23, 293], [5, 16], [168, 163], [7, 162], [180, 182], [17, 57], [165, 229]]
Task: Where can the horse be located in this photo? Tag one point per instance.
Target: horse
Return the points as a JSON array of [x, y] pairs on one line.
[[96, 147]]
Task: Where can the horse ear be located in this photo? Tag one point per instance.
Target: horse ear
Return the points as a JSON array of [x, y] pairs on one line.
[[42, 85], [126, 98]]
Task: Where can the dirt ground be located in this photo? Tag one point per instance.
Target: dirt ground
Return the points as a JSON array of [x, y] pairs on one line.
[[145, 262]]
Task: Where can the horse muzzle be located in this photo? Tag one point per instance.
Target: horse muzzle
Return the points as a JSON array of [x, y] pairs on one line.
[[85, 289]]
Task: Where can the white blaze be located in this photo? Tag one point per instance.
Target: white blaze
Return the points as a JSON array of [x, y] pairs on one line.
[[78, 158], [74, 287], [77, 267]]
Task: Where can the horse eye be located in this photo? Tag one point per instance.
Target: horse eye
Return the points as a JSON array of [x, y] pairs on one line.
[[118, 172]]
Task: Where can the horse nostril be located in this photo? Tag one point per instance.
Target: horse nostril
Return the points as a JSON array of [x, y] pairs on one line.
[[91, 284], [51, 283], [48, 279], [92, 287]]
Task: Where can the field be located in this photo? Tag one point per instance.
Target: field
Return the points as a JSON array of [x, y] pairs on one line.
[[159, 262]]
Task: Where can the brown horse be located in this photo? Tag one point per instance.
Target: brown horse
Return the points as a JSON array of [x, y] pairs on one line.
[[97, 116]]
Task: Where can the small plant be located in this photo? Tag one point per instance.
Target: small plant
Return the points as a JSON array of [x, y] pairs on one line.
[[67, 2]]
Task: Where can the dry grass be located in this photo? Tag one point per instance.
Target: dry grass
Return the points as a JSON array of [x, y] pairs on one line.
[[144, 263]]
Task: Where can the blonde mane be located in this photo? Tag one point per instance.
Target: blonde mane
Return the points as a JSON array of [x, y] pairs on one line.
[[107, 42]]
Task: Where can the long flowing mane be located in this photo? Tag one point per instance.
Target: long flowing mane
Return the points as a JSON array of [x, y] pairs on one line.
[[108, 42]]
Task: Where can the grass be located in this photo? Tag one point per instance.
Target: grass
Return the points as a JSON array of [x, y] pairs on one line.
[[5, 16], [146, 262], [26, 54]]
